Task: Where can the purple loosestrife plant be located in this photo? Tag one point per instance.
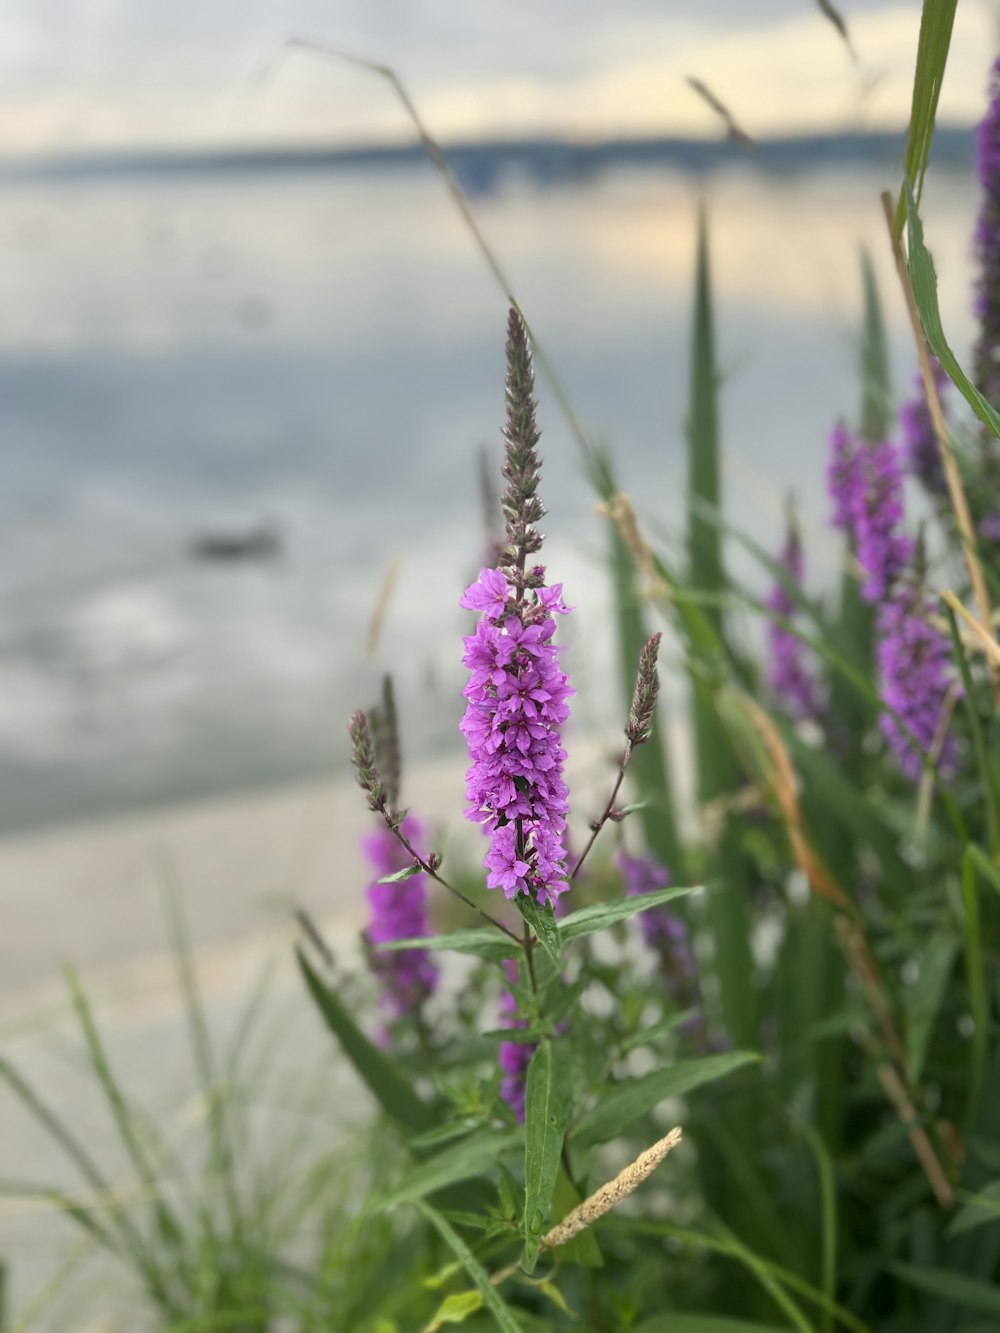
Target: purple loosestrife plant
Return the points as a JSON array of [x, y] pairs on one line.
[[398, 911], [517, 695], [882, 549], [787, 674], [919, 443], [914, 676], [515, 1056]]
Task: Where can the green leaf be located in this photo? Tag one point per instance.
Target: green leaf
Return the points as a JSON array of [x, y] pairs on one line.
[[949, 1286], [703, 1323], [923, 1001], [770, 1275], [704, 543], [877, 409], [977, 1211], [491, 945], [464, 1161], [456, 1308], [552, 1292], [447, 1133], [976, 727], [978, 1001], [984, 865], [924, 280], [627, 1101], [936, 22], [651, 1035], [542, 921], [600, 916], [384, 1081], [547, 1106], [492, 1299], [406, 873]]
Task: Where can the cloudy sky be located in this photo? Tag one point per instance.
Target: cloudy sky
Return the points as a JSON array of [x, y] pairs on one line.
[[116, 73]]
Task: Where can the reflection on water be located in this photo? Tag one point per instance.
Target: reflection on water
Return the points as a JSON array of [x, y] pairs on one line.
[[322, 356]]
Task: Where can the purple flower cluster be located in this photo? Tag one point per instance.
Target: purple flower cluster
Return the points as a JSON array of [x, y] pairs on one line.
[[913, 663], [787, 674], [882, 549], [987, 245], [398, 912], [920, 445], [515, 1056], [841, 477], [516, 704], [865, 482]]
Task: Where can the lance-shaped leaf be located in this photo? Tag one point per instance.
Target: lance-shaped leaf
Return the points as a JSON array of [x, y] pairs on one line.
[[383, 1079], [548, 1101], [600, 916], [464, 1161], [542, 921], [627, 1101]]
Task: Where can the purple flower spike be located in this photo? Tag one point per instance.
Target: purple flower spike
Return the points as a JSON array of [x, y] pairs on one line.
[[914, 670], [883, 551], [398, 912], [515, 1056], [920, 445], [517, 695], [787, 674], [842, 477]]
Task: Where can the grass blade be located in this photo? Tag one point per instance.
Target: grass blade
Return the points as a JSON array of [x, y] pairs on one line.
[[978, 739], [955, 1288], [718, 774], [978, 1001], [384, 1081], [936, 22], [492, 1299]]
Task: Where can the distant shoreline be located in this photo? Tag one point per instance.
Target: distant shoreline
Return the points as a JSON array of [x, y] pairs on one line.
[[478, 162]]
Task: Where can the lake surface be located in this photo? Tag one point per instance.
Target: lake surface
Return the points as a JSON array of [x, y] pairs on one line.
[[324, 353]]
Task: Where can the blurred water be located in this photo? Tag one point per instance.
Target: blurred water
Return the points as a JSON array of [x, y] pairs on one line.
[[324, 353]]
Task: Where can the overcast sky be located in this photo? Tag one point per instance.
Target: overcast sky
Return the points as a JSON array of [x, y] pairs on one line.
[[110, 73]]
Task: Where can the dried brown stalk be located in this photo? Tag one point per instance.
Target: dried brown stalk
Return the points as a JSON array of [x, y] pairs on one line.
[[604, 1199], [377, 617], [981, 638], [620, 511], [782, 782]]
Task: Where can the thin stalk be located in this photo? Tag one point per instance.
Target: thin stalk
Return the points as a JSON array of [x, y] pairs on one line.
[[429, 869], [599, 823]]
